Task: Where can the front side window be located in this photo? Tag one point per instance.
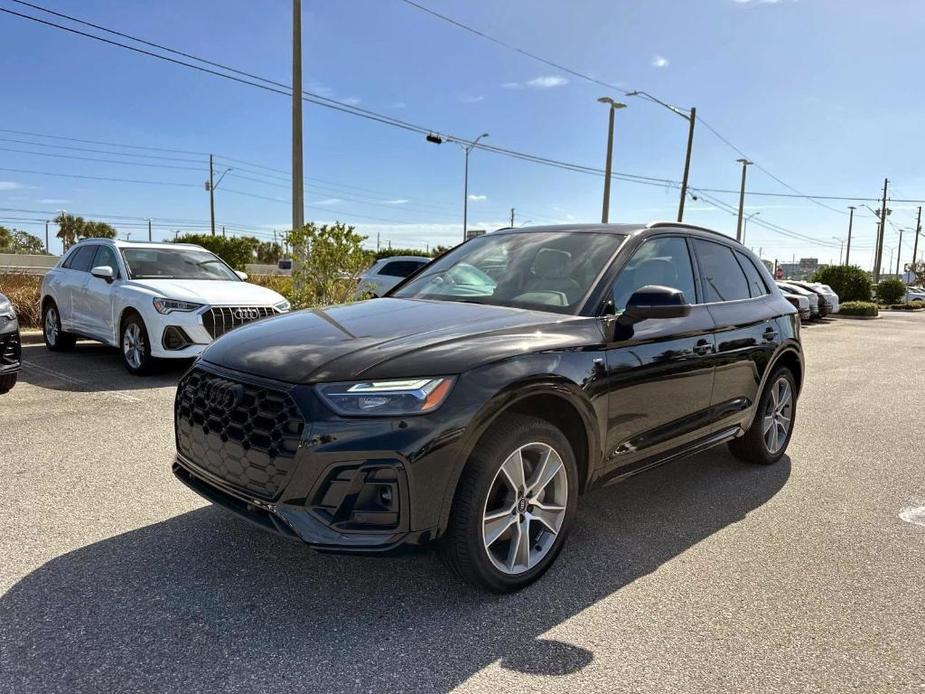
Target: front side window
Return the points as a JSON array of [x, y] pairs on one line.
[[106, 256], [664, 262], [548, 271], [400, 268], [175, 264], [720, 273], [82, 259]]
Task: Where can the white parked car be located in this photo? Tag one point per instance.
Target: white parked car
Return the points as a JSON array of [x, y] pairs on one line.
[[386, 273], [914, 294], [152, 300]]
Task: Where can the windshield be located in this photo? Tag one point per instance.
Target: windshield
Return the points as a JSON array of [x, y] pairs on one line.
[[175, 264], [548, 271]]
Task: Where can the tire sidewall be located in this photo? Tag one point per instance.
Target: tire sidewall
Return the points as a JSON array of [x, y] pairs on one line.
[[782, 372], [147, 359], [488, 463], [51, 307]]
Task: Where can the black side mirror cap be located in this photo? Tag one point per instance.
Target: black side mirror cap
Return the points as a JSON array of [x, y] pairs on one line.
[[653, 301]]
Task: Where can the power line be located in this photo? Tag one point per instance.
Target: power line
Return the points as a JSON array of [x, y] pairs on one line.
[[104, 161]]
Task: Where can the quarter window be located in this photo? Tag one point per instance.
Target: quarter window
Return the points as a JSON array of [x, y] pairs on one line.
[[722, 277], [756, 284], [664, 262], [400, 268]]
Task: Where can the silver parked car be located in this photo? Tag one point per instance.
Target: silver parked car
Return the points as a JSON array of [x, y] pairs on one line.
[[386, 273], [811, 296]]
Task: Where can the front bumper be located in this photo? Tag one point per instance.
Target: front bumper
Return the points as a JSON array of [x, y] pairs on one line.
[[10, 346], [354, 485], [184, 335]]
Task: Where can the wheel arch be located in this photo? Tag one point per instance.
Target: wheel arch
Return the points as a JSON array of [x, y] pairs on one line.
[[792, 358], [553, 399]]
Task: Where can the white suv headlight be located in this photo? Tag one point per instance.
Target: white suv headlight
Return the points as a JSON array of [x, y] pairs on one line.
[[162, 305], [6, 308], [406, 396], [283, 306]]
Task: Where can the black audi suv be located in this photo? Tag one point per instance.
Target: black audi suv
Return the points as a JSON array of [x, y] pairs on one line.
[[472, 406], [10, 347]]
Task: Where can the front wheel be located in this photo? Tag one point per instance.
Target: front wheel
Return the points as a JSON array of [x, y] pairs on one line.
[[514, 505], [766, 440], [7, 381], [136, 348], [56, 340]]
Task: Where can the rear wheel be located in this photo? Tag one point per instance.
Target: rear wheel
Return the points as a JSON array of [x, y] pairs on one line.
[[55, 338], [136, 348], [514, 505], [766, 440], [7, 382]]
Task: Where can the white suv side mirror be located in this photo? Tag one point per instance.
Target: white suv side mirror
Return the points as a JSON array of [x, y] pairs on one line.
[[242, 275], [104, 272]]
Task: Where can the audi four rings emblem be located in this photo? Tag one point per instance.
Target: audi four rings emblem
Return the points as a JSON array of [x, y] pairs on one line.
[[246, 313], [222, 395]]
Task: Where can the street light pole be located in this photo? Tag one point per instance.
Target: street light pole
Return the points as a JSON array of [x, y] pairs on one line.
[[841, 247], [298, 191], [211, 195], [468, 148], [691, 118], [744, 163], [850, 224], [881, 233], [915, 245], [48, 250], [149, 229], [899, 251], [614, 105]]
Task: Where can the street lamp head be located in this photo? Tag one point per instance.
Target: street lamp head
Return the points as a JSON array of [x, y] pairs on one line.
[[613, 104], [744, 162], [483, 135]]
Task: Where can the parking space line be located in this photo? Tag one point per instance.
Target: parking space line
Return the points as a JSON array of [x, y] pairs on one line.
[[84, 385]]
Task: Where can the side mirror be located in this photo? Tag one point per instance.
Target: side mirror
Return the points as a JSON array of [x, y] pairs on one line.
[[104, 272], [242, 275], [653, 301]]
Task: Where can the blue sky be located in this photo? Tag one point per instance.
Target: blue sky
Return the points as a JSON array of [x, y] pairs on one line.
[[824, 94]]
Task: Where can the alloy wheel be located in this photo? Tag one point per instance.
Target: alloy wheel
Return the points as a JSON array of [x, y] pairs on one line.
[[133, 345], [525, 508], [51, 326], [778, 416]]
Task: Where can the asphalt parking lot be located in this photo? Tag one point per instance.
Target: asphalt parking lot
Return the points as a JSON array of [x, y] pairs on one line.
[[705, 575]]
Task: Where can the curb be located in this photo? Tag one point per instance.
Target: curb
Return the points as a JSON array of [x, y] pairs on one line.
[[31, 336], [835, 315]]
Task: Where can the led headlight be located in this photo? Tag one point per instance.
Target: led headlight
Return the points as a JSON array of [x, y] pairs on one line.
[[283, 306], [392, 398], [162, 305]]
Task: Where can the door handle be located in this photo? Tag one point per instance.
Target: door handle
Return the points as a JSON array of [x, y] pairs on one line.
[[703, 347], [770, 334]]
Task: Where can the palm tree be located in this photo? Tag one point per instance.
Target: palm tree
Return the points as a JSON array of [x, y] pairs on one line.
[[69, 228]]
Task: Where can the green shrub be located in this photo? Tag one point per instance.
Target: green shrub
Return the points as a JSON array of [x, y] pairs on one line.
[[851, 283], [858, 308], [891, 291], [237, 251], [918, 306]]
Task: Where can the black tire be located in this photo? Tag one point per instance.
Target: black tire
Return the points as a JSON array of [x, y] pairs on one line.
[[56, 340], [463, 548], [7, 381], [753, 447], [133, 324]]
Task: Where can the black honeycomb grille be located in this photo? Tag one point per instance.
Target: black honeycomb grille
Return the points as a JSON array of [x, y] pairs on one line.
[[247, 435]]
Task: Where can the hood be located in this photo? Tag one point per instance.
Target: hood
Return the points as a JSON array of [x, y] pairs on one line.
[[215, 292], [393, 338]]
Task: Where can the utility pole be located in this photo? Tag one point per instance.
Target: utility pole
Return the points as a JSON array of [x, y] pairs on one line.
[[687, 162], [149, 229], [878, 259], [298, 202], [614, 105], [377, 241], [915, 245], [899, 250], [211, 194], [850, 224], [223, 231], [512, 216], [48, 250], [744, 163]]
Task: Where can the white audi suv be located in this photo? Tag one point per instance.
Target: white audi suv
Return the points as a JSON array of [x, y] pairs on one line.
[[151, 300]]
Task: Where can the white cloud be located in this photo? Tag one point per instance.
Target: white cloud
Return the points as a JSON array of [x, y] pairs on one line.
[[328, 201], [477, 197], [400, 201], [512, 85], [547, 81], [54, 201], [320, 89], [11, 185], [470, 99], [660, 61], [352, 100]]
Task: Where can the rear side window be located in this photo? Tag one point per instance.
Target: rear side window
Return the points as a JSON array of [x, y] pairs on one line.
[[756, 284], [82, 258], [400, 268], [106, 256], [722, 277]]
